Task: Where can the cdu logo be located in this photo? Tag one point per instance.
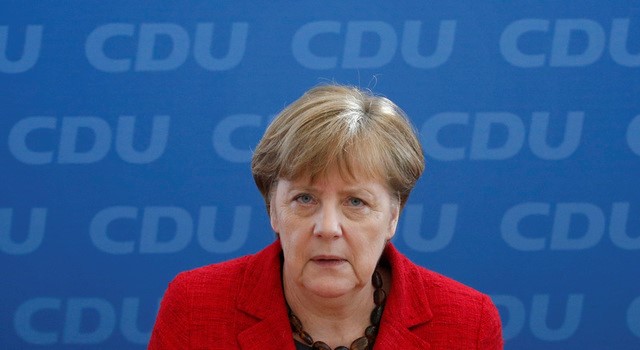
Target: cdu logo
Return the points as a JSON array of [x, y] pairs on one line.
[[104, 47], [518, 48], [164, 230], [371, 44], [484, 143], [71, 147], [562, 234], [85, 321]]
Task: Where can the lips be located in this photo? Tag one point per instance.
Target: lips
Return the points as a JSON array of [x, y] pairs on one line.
[[328, 260]]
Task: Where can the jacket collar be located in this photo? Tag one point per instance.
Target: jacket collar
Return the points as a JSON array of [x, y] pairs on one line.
[[261, 297], [407, 304]]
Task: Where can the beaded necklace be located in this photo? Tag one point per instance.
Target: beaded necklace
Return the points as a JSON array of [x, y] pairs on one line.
[[363, 343]]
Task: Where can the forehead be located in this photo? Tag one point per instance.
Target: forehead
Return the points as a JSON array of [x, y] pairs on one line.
[[337, 179]]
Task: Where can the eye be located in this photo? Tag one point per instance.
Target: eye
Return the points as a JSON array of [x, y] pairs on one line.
[[356, 202], [304, 198]]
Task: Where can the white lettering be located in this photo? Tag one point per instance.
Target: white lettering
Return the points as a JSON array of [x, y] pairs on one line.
[[94, 47], [481, 137], [618, 227], [633, 317], [301, 45], [237, 45], [510, 38], [239, 234], [34, 237], [357, 41], [70, 130], [77, 309], [82, 321], [146, 57], [515, 313], [18, 140], [165, 230], [561, 230], [497, 136], [23, 325], [129, 322], [76, 148], [560, 44], [388, 41], [30, 51], [539, 133], [150, 242], [430, 135], [412, 228], [564, 223], [539, 318], [99, 225], [223, 132], [411, 43], [563, 50], [510, 226], [633, 135], [618, 45], [157, 144]]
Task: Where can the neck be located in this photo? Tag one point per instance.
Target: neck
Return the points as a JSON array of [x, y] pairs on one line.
[[335, 321]]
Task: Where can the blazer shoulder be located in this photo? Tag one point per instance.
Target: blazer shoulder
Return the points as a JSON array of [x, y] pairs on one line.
[[453, 302], [217, 272], [437, 284], [211, 280], [196, 303]]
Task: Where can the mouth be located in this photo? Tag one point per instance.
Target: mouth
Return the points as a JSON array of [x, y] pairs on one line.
[[328, 260]]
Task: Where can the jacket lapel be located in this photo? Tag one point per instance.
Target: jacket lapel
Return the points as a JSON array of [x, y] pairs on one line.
[[269, 333], [261, 298], [397, 336], [406, 307]]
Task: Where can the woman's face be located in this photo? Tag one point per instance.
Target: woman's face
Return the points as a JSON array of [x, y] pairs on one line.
[[332, 231]]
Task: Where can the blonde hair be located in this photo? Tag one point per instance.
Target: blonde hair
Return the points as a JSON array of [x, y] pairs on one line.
[[335, 125]]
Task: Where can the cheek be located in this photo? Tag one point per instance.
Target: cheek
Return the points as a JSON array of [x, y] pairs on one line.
[[369, 246], [292, 235], [391, 223]]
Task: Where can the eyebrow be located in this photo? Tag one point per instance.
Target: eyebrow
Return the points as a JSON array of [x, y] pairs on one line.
[[350, 190]]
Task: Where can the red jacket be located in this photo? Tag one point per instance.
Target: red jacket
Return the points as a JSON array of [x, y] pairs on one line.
[[239, 304]]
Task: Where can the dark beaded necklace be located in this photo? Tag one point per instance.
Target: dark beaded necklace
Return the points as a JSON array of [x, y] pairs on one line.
[[363, 343]]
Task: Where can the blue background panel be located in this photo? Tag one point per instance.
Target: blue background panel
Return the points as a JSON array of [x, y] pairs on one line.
[[126, 132]]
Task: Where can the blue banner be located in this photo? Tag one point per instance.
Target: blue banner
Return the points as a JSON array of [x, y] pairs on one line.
[[126, 132]]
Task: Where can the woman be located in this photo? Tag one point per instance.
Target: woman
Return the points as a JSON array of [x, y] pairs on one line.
[[335, 169]]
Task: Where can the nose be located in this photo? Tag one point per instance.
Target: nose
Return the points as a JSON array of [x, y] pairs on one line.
[[327, 222]]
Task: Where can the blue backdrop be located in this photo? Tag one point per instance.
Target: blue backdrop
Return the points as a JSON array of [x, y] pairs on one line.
[[126, 131]]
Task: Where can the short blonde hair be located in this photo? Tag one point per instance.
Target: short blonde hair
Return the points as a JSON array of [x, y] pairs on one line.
[[334, 125]]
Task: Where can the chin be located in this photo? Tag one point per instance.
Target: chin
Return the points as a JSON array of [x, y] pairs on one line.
[[329, 287]]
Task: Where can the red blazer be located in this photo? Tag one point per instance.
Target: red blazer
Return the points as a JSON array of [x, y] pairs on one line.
[[239, 304]]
